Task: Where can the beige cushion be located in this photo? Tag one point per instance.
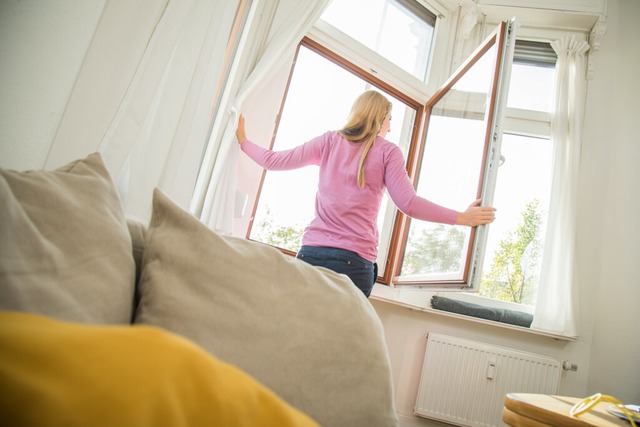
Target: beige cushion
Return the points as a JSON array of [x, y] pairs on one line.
[[305, 332], [137, 231], [64, 246]]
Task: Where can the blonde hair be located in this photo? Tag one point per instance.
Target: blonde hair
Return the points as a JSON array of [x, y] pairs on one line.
[[364, 122]]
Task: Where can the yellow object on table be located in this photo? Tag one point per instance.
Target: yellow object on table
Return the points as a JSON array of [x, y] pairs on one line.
[[542, 410]]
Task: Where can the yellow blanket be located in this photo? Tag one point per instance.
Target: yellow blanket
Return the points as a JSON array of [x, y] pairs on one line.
[[55, 373]]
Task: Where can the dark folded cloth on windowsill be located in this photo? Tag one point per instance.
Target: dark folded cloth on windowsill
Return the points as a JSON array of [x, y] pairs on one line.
[[503, 315]]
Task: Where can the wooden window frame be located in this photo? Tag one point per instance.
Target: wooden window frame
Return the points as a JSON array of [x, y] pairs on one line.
[[400, 228]]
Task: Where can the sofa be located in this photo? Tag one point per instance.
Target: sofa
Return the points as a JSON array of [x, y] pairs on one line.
[[109, 321]]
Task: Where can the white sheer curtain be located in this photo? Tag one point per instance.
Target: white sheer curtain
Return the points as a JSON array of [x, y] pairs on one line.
[[157, 135], [216, 190], [557, 293]]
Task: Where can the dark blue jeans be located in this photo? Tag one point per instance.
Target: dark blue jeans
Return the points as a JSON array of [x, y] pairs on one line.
[[363, 273]]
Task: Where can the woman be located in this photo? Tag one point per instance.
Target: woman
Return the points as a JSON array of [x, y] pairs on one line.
[[356, 164]]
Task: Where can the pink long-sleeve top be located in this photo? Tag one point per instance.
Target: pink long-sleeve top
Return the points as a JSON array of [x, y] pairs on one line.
[[345, 214]]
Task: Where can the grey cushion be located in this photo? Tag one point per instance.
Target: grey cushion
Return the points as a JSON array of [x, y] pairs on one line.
[[305, 332], [65, 250], [137, 231], [513, 317]]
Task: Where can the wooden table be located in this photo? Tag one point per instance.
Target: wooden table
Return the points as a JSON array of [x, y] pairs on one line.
[[542, 410]]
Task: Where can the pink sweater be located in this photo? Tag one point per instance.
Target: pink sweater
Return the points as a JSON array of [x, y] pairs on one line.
[[346, 215]]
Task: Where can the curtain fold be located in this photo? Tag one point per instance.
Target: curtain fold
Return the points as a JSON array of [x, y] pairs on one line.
[[215, 203], [557, 292], [166, 108]]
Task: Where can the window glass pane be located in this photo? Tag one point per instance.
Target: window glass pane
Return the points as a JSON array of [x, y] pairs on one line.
[[318, 100], [532, 87], [450, 174], [514, 249], [394, 29]]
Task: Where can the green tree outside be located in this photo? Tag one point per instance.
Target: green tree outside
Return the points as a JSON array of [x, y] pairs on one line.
[[436, 249], [513, 273], [282, 236]]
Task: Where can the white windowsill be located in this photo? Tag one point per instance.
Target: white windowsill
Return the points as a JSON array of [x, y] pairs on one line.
[[420, 300]]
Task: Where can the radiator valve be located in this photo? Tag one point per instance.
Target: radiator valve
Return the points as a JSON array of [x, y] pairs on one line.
[[569, 366]]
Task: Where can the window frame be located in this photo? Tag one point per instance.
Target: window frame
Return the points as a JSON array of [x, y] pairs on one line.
[[370, 77], [503, 37], [400, 227]]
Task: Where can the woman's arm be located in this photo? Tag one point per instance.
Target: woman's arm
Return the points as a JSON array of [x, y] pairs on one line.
[[306, 154], [405, 198]]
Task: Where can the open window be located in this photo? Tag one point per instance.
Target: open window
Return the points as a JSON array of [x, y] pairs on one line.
[[452, 147], [457, 162]]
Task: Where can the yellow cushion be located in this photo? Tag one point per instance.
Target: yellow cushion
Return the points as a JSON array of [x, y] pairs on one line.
[[55, 373]]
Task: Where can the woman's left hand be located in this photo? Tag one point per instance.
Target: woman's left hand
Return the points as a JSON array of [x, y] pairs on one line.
[[240, 132]]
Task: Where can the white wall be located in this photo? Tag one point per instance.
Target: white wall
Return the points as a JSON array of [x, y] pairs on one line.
[[610, 207], [42, 47]]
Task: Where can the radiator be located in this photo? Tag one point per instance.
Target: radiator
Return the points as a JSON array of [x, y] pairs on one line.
[[464, 382]]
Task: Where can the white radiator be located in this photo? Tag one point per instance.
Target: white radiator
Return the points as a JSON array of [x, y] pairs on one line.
[[464, 382]]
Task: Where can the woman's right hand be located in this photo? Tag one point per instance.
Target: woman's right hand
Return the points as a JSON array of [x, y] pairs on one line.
[[240, 132]]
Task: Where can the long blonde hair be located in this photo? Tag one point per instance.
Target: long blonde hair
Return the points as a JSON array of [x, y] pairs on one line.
[[364, 122]]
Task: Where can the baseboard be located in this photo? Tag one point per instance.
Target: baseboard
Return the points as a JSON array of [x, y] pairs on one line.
[[407, 420]]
